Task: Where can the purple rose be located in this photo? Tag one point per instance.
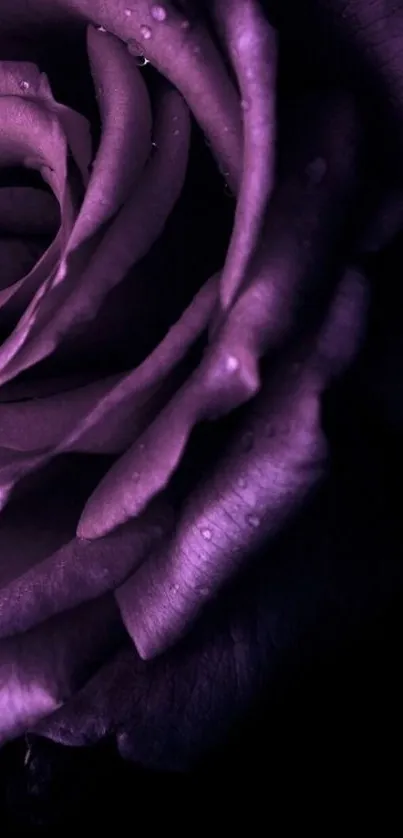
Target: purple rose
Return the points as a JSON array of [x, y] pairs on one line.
[[161, 416]]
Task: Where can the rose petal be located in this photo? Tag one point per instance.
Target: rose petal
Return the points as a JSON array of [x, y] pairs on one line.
[[31, 135], [337, 565], [129, 237], [127, 131], [250, 494], [126, 134], [22, 78], [105, 416], [251, 45], [302, 226], [40, 670], [183, 51], [78, 572]]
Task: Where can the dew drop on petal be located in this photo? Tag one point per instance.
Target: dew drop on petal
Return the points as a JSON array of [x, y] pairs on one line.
[[253, 520], [145, 32], [174, 589], [232, 363], [158, 13], [185, 25], [204, 592], [206, 533], [176, 132], [101, 29], [245, 104], [24, 86], [128, 12]]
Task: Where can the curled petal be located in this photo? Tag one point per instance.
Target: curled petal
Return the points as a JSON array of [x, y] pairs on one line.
[[41, 423], [251, 45], [331, 571], [102, 417], [32, 136], [251, 492], [184, 52], [303, 223], [126, 134], [127, 240], [41, 669], [78, 572], [23, 79]]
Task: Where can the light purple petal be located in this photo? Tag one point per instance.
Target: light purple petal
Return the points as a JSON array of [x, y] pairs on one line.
[[129, 237], [126, 134], [78, 572], [38, 671], [183, 50], [24, 79], [103, 417], [252, 49], [304, 222], [270, 468]]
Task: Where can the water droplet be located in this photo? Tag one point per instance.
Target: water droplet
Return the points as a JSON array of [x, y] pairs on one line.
[[245, 105], [128, 12], [154, 144], [158, 13], [101, 29], [145, 32], [232, 363], [253, 520], [247, 441], [206, 533], [174, 589], [241, 483], [205, 592], [316, 169], [176, 132], [24, 85], [185, 25], [174, 119]]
